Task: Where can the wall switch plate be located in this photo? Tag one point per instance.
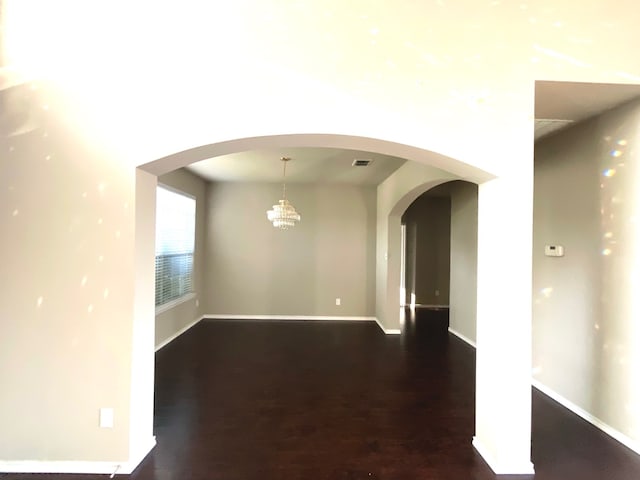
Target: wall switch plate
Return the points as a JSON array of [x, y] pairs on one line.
[[437, 293], [106, 418], [338, 301]]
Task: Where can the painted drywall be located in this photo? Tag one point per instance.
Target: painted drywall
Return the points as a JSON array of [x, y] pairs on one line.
[[253, 268], [170, 322], [464, 259], [585, 334], [428, 237], [470, 99], [66, 306]]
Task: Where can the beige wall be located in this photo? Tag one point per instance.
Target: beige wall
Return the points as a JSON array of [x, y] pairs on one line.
[[469, 99], [171, 321], [428, 237], [253, 268], [585, 334], [464, 259], [66, 304]]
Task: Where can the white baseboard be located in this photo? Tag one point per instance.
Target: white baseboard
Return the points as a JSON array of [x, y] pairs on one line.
[[617, 435], [223, 316], [595, 421], [462, 337], [87, 468], [135, 459], [35, 466], [388, 331], [519, 468], [167, 341]]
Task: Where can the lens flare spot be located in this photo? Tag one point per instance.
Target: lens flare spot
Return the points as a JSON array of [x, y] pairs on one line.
[[374, 31], [606, 252], [90, 308], [47, 158], [608, 235], [117, 233], [616, 153], [15, 212], [99, 221], [596, 326], [84, 281], [100, 258], [39, 302], [609, 172], [105, 294], [622, 142], [547, 291]]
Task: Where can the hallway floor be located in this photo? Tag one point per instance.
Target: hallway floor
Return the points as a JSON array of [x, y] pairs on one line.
[[249, 400]]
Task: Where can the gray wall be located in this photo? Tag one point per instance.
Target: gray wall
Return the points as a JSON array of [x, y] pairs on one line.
[[586, 338], [171, 321], [253, 268], [464, 259], [427, 222]]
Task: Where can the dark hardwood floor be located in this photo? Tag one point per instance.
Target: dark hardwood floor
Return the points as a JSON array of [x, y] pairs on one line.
[[334, 400]]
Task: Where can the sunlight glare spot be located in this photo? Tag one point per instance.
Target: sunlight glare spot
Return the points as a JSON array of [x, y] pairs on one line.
[[105, 295], [90, 308], [608, 235], [84, 280], [606, 252], [609, 172], [39, 302], [100, 258]]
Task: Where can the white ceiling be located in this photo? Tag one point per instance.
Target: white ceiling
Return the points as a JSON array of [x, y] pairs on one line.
[[560, 104], [557, 105], [307, 165]]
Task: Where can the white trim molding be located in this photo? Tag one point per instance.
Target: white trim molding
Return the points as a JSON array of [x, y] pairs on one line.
[[135, 459], [88, 468], [593, 420], [388, 331], [167, 341], [175, 302], [462, 337], [509, 468]]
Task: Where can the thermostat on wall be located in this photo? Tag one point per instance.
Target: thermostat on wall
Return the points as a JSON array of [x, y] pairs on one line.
[[554, 250]]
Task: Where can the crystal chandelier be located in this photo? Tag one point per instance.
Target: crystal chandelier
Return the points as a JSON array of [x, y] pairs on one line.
[[283, 215]]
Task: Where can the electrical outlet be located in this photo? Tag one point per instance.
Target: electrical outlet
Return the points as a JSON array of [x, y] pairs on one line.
[[106, 418], [437, 293], [338, 301]]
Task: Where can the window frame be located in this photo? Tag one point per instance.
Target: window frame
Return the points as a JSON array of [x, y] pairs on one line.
[[191, 294]]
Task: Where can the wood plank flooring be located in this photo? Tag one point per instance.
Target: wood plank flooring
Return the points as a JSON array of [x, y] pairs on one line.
[[341, 401]]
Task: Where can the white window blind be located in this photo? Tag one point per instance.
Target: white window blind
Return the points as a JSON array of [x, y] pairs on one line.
[[175, 238]]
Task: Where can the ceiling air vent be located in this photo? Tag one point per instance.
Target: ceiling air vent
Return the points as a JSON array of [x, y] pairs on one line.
[[361, 162]]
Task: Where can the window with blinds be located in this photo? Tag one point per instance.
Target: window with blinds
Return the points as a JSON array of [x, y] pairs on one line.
[[175, 238]]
